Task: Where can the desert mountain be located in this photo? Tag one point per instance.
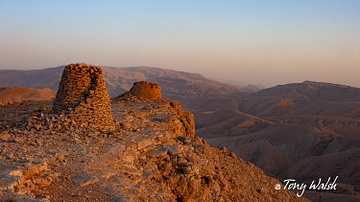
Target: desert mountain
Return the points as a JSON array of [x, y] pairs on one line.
[[301, 131], [147, 152], [43, 78], [314, 98]]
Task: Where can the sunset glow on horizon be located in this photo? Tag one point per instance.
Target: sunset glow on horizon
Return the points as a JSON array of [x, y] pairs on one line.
[[242, 42]]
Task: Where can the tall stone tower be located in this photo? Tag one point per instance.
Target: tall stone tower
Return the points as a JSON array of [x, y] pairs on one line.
[[83, 97]]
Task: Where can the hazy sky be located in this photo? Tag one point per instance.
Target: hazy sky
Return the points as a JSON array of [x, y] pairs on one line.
[[269, 42]]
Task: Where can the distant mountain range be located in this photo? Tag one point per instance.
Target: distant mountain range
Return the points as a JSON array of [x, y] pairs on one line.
[[174, 84], [304, 131]]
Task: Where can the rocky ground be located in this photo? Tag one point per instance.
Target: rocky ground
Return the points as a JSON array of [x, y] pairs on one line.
[[153, 155]]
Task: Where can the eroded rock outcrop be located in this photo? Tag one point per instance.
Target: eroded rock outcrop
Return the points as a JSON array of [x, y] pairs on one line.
[[144, 91], [186, 118], [83, 97]]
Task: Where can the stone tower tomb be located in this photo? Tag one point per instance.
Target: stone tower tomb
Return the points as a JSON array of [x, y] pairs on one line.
[[83, 97], [146, 90]]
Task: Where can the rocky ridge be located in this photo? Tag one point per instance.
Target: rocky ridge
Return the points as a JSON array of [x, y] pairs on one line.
[[149, 157]]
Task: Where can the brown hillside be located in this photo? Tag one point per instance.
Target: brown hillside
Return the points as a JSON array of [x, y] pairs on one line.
[[19, 94]]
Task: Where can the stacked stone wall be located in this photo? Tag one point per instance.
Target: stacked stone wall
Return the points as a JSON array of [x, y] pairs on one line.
[[83, 97], [146, 90]]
